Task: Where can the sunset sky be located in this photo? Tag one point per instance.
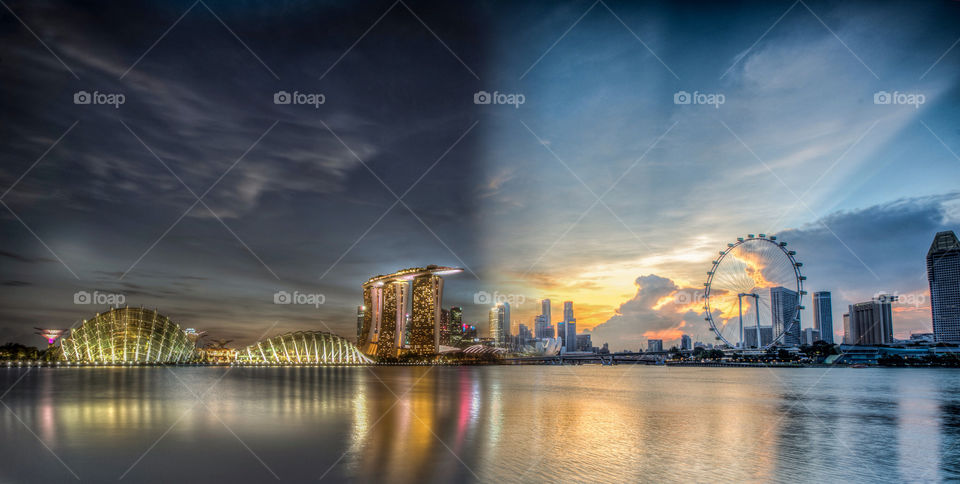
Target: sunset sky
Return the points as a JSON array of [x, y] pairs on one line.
[[597, 189]]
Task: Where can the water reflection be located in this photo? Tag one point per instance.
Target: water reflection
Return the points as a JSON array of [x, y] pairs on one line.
[[510, 424]]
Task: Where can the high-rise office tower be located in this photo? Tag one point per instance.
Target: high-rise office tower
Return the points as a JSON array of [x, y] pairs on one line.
[[493, 325], [870, 323], [943, 274], [568, 311], [570, 342], [444, 327], [545, 311], [456, 326], [823, 315], [562, 333], [786, 319], [361, 312], [568, 327], [685, 342], [505, 320], [654, 345]]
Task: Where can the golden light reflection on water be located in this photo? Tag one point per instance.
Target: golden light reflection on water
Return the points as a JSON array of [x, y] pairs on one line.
[[510, 424]]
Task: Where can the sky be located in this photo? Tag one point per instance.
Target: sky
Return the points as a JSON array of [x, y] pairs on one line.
[[599, 188]]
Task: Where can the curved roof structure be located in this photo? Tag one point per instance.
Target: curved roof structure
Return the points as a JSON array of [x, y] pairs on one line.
[[483, 349], [128, 335], [303, 347], [410, 274]]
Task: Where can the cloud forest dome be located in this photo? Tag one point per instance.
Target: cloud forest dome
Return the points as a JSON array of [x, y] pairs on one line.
[[303, 347], [128, 335]]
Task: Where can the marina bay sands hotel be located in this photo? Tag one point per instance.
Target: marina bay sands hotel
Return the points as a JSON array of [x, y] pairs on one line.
[[383, 316]]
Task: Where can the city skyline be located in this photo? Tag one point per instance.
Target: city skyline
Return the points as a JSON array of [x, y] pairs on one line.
[[516, 182]]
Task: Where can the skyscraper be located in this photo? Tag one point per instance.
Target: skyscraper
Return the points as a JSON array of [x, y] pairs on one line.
[[870, 323], [567, 311], [654, 345], [786, 319], [569, 327], [505, 320], [361, 311], [456, 326], [943, 274], [545, 311], [823, 315], [444, 327], [685, 342], [570, 342]]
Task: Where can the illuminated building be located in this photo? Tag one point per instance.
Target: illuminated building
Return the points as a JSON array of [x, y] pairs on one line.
[[386, 298], [444, 327], [392, 319], [303, 347], [218, 355], [943, 274], [128, 335], [425, 331], [499, 324], [456, 326]]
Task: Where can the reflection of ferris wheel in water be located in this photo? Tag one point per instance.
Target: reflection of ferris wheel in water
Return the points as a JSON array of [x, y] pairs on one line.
[[753, 294]]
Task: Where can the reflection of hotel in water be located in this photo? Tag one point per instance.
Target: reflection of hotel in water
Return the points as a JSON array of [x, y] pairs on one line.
[[386, 302]]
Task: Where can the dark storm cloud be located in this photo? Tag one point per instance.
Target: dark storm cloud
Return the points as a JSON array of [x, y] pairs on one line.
[[22, 258], [199, 100]]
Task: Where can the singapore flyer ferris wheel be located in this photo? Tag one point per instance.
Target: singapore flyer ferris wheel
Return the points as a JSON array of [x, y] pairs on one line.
[[754, 294]]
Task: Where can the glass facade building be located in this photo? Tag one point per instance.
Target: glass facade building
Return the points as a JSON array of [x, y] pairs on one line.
[[303, 347], [943, 274], [128, 335], [823, 315]]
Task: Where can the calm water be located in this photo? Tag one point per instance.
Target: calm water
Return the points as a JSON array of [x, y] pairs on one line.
[[490, 424]]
